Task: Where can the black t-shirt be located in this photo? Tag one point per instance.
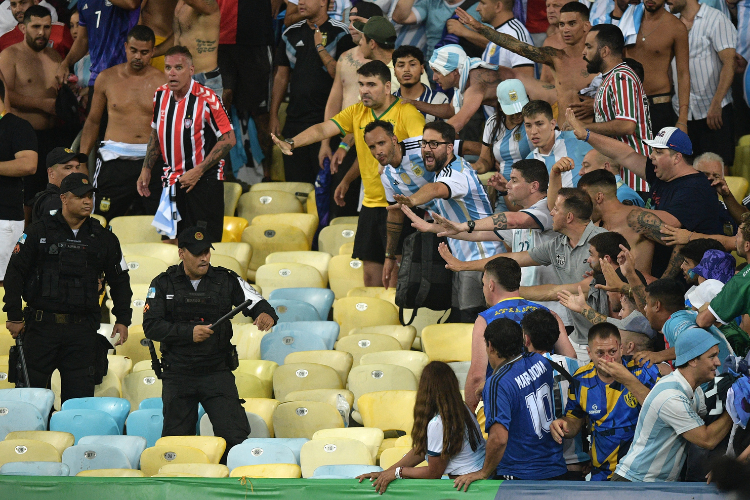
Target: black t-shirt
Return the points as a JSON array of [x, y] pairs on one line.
[[310, 82], [16, 135], [246, 22]]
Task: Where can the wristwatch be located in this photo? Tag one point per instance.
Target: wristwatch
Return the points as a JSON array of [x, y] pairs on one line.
[[290, 142], [471, 225]]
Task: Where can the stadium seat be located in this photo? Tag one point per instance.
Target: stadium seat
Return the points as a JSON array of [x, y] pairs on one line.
[[413, 360], [345, 273], [233, 228], [341, 361], [261, 369], [232, 192], [212, 446], [380, 377], [267, 239], [307, 223], [358, 312], [333, 451], [348, 219], [247, 338], [277, 345], [425, 317], [228, 262], [249, 386], [404, 441], [27, 450], [237, 250], [370, 291], [294, 444], [136, 348], [84, 422], [140, 292], [165, 252], [4, 384], [34, 469], [369, 436], [111, 473], [257, 203], [135, 229], [95, 456], [119, 365], [141, 385], [332, 237], [143, 269], [202, 470], [364, 343], [344, 471], [304, 376], [300, 189], [347, 249], [294, 310], [311, 206], [259, 452], [153, 458], [404, 334], [145, 423], [326, 330], [318, 260], [388, 410], [270, 471], [258, 426], [101, 220], [461, 369], [151, 404], [141, 366], [288, 275], [448, 342], [391, 456], [320, 298], [111, 387], [41, 399], [738, 186], [330, 396], [22, 416], [117, 408], [131, 446], [298, 419], [60, 440], [263, 408], [175, 474]]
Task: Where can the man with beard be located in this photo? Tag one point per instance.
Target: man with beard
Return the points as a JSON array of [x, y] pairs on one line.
[[126, 91], [59, 39], [620, 107]]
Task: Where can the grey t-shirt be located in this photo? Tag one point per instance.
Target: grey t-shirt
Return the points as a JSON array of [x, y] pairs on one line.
[[569, 265]]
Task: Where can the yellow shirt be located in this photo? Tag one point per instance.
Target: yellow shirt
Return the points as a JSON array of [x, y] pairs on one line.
[[407, 122]]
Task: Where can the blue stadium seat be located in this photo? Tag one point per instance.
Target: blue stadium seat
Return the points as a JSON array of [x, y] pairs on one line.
[[117, 408], [131, 446], [252, 454], [344, 471], [42, 399], [145, 423], [34, 469], [84, 423], [294, 310], [19, 416], [320, 298], [327, 330], [275, 346], [294, 444], [94, 456], [151, 404]]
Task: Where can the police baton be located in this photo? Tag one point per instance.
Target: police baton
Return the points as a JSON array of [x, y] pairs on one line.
[[231, 314], [21, 365]]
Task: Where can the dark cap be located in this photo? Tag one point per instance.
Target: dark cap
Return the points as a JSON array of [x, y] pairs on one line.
[[77, 183], [64, 155], [194, 239], [381, 30], [366, 10]]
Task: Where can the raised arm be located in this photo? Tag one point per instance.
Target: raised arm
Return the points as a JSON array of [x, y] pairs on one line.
[[426, 193], [403, 14], [452, 263], [311, 135]]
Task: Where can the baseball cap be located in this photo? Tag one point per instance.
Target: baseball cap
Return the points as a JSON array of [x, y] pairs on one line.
[[512, 96], [380, 29], [692, 343], [672, 138], [704, 293], [366, 10], [634, 322], [64, 155], [716, 265], [77, 183], [194, 239]]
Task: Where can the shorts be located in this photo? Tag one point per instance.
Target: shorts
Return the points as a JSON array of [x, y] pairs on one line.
[[662, 113], [10, 233], [116, 182], [246, 71], [371, 239], [203, 205], [212, 80], [47, 140]]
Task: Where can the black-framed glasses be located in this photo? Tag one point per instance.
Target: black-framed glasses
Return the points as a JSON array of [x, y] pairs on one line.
[[431, 144]]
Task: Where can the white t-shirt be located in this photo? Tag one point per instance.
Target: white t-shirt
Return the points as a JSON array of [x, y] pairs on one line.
[[466, 460]]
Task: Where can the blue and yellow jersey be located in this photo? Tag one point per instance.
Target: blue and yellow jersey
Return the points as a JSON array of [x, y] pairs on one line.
[[613, 413]]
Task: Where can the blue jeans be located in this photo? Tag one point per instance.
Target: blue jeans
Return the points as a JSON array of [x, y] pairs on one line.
[[212, 80]]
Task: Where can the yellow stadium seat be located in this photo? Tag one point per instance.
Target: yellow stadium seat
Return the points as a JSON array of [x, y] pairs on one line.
[[359, 312], [368, 291], [111, 473], [301, 190], [388, 410], [139, 386], [369, 436], [404, 334], [448, 342], [136, 347], [249, 386], [141, 366], [237, 250], [318, 260], [135, 229], [347, 249], [331, 238], [111, 387], [341, 361], [425, 317], [232, 192], [404, 441], [233, 228], [301, 419], [267, 202], [143, 269], [101, 219], [4, 384], [303, 376], [270, 471], [228, 262], [264, 408], [308, 223], [60, 440], [267, 239], [152, 459], [311, 207], [165, 252], [287, 275], [212, 446], [175, 474], [345, 273], [364, 343], [413, 360], [261, 369], [202, 470], [744, 140], [31, 450], [138, 301], [333, 451], [330, 396], [738, 186], [349, 219], [247, 338], [364, 379], [392, 455]]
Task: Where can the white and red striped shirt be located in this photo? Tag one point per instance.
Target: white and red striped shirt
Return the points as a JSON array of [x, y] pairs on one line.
[[188, 129], [621, 97]]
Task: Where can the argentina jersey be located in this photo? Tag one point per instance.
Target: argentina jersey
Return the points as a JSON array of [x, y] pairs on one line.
[[566, 144], [508, 147], [409, 176]]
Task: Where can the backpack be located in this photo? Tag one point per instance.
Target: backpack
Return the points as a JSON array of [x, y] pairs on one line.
[[423, 280]]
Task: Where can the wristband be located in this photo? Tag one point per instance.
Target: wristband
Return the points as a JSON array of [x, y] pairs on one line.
[[588, 134], [390, 256], [398, 473], [344, 146], [320, 47]]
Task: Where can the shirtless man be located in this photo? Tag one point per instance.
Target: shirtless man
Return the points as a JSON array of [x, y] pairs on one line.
[[127, 92], [661, 38], [568, 64], [554, 38], [159, 16]]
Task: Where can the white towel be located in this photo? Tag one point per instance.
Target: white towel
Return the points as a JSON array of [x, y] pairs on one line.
[[452, 57], [166, 218], [111, 150]]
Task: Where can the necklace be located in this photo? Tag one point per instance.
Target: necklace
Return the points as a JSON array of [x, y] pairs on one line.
[[643, 38]]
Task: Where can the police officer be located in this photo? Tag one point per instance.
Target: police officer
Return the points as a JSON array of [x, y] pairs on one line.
[[61, 162], [197, 361], [56, 267]]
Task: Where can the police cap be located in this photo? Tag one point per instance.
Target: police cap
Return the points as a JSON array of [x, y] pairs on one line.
[[194, 239], [77, 183], [63, 155]]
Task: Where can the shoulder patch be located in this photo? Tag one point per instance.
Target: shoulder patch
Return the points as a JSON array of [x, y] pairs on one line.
[[151, 293], [22, 239]]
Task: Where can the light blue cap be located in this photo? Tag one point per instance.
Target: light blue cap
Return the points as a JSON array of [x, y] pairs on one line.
[[512, 96], [692, 343]]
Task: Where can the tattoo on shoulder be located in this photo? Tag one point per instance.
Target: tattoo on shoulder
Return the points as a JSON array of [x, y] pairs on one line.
[[646, 223]]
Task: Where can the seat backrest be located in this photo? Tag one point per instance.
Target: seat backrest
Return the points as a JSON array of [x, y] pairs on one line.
[[303, 376], [153, 458], [413, 360], [372, 437], [41, 399], [261, 368], [330, 396], [404, 334], [203, 470], [287, 275], [117, 408], [237, 250], [143, 269], [346, 219], [141, 385], [304, 418], [21, 416], [151, 403], [271, 471], [316, 259], [27, 450], [363, 343], [307, 223], [83, 422], [345, 471], [320, 298], [131, 446], [380, 377], [95, 456], [250, 386], [345, 273], [135, 229], [165, 252], [34, 469], [388, 410], [232, 192], [267, 202], [391, 456], [247, 338], [327, 330], [294, 310], [267, 239], [228, 262], [294, 444], [303, 190], [332, 237], [448, 342], [461, 369], [254, 453], [358, 312], [136, 348], [212, 446], [341, 361], [263, 408], [146, 423], [119, 365], [60, 440], [232, 229], [111, 473], [258, 426], [333, 451], [277, 345]]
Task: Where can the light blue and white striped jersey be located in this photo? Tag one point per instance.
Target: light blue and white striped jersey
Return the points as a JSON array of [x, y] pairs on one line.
[[406, 34], [468, 201], [429, 96], [658, 450], [626, 193], [566, 144], [743, 29], [409, 176], [494, 54], [573, 449], [601, 12], [508, 147]]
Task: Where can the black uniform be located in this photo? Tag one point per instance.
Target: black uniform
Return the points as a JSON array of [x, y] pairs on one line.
[[46, 203], [57, 273], [199, 372]]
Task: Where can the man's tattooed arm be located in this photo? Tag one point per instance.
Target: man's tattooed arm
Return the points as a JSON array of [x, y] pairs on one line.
[[543, 55], [647, 224], [673, 269], [153, 151], [222, 148], [593, 316], [500, 221]]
